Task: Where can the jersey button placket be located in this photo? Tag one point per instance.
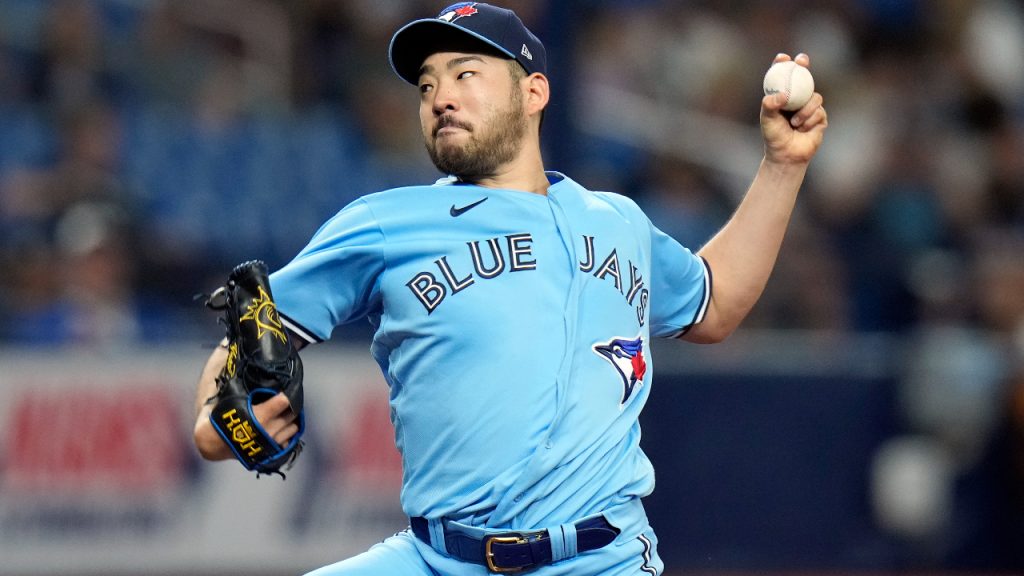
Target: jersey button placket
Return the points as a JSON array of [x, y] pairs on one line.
[[569, 318]]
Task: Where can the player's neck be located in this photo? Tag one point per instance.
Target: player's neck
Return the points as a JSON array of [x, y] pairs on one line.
[[525, 173]]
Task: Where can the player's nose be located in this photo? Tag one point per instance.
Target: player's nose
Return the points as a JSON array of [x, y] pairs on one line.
[[444, 100]]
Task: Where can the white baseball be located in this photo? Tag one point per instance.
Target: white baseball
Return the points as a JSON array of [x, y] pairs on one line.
[[791, 79]]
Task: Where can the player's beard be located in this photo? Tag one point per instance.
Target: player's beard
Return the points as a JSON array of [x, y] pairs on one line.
[[487, 149]]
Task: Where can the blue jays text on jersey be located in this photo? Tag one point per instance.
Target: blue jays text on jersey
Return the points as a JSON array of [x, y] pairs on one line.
[[512, 329], [489, 262]]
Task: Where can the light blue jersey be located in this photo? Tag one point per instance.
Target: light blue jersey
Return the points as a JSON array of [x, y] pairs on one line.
[[513, 330]]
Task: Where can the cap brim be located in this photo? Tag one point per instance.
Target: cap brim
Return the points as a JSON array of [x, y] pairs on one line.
[[411, 45]]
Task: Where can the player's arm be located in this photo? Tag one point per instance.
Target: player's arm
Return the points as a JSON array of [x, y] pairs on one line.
[[208, 442], [347, 246], [274, 415], [742, 254]]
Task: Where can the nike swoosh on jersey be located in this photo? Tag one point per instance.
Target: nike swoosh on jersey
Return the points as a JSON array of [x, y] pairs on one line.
[[456, 212]]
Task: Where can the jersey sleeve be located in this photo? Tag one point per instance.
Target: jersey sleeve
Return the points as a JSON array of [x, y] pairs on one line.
[[680, 286], [334, 279]]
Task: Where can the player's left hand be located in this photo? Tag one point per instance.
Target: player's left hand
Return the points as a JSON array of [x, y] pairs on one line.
[[792, 138]]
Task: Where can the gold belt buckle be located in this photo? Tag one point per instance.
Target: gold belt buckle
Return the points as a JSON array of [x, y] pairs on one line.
[[489, 553]]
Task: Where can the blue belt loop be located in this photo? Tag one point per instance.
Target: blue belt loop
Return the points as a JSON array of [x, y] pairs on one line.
[[437, 542], [563, 542]]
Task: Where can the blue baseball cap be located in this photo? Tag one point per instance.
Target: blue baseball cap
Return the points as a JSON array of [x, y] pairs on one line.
[[497, 28]]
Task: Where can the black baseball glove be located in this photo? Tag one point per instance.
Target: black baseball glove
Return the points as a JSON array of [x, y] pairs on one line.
[[261, 363]]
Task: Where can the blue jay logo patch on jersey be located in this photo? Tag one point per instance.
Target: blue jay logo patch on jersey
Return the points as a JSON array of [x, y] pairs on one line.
[[627, 356], [456, 11]]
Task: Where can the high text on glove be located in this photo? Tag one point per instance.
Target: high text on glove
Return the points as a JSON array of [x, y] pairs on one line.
[[241, 432]]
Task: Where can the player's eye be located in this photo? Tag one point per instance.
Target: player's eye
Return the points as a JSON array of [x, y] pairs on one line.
[[466, 74], [424, 88]]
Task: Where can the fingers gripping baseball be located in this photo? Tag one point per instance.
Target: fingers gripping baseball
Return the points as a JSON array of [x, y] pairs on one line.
[[792, 137]]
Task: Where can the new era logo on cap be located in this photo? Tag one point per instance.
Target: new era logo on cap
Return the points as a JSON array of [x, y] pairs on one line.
[[496, 29]]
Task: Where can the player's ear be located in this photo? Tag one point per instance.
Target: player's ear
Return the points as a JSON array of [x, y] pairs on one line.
[[538, 92]]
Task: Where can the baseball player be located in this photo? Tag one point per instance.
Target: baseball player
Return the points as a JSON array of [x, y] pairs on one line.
[[514, 311]]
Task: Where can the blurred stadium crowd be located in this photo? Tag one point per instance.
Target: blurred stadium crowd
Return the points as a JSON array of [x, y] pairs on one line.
[[148, 145]]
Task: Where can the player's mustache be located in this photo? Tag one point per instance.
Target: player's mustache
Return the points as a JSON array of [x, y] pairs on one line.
[[446, 121]]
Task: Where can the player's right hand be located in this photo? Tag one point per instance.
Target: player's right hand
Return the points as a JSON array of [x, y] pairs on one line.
[[276, 417]]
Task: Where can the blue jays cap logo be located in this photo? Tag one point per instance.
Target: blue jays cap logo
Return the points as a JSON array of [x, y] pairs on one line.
[[627, 356], [456, 11]]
